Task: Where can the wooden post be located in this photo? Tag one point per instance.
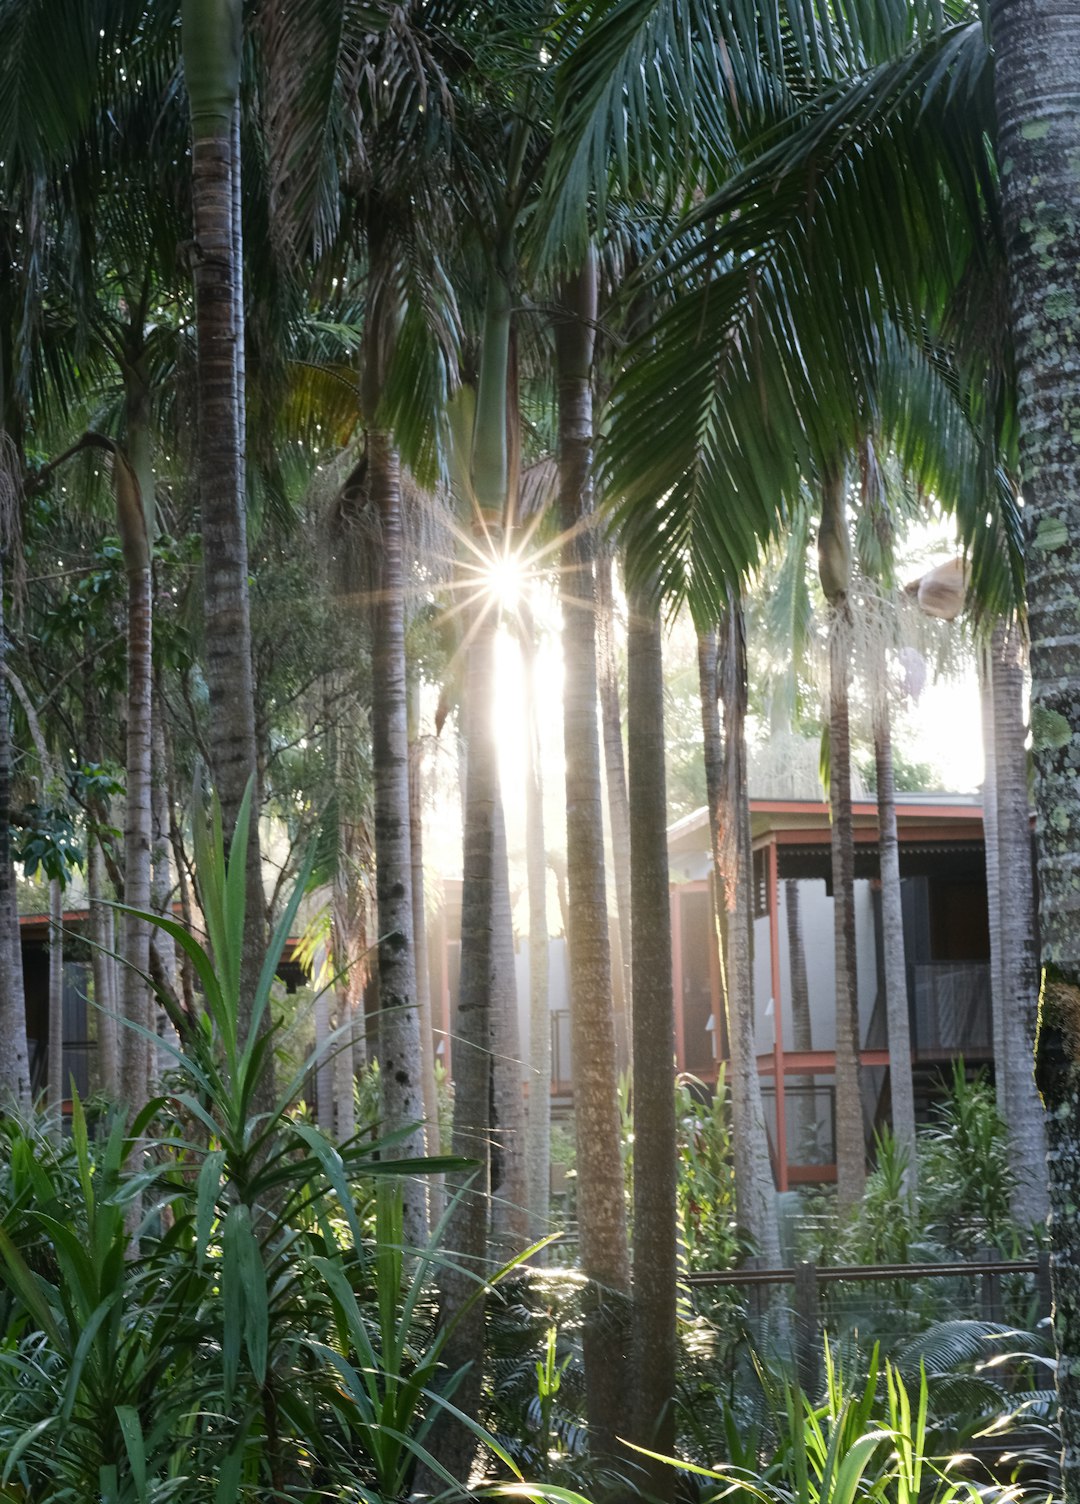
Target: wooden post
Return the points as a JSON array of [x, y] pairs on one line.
[[807, 1327], [778, 1018], [990, 1297]]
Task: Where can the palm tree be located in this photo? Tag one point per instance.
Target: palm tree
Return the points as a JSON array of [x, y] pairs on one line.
[[653, 1334], [212, 47], [538, 1124], [602, 1216], [722, 676]]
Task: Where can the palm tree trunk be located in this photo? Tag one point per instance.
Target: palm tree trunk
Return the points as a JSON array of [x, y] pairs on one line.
[[801, 1113], [1037, 62], [108, 1050], [993, 884], [509, 1222], [423, 975], [466, 1233], [901, 1085], [1017, 927], [653, 1331], [14, 1055], [212, 44], [601, 1211], [729, 828], [850, 1133], [538, 1128], [400, 1066], [55, 1092], [618, 804]]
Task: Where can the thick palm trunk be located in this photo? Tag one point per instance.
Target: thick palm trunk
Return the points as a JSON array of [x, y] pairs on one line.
[[729, 828], [1016, 926], [400, 1072], [618, 804], [509, 1222], [538, 1127], [601, 1212], [212, 47], [1037, 64], [653, 1338], [55, 1091], [901, 1085]]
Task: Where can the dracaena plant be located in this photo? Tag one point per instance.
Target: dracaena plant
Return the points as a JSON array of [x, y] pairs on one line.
[[252, 1339]]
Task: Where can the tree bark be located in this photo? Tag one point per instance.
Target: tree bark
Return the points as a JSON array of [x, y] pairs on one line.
[[729, 828], [509, 1220], [618, 804], [102, 964], [1016, 925], [55, 1093], [653, 1329], [901, 1084], [601, 1211], [466, 1233], [436, 1193], [991, 846], [1037, 68], [538, 1129], [14, 1055], [400, 1065], [800, 1104], [212, 44]]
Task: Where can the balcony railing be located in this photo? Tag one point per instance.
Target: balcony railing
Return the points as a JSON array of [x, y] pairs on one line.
[[950, 1003]]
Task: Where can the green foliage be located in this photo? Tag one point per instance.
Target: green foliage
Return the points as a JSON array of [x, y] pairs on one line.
[[966, 1174], [706, 1186], [261, 1342]]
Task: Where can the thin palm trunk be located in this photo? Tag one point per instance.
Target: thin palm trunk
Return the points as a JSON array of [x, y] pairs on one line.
[[618, 804], [653, 1329], [324, 1065], [135, 1053], [509, 1221], [55, 1090], [538, 1128], [14, 1055], [601, 1212], [466, 1234], [729, 828], [993, 885], [162, 949], [901, 1084], [401, 1072], [212, 45], [1017, 928], [423, 975], [800, 1102], [834, 568], [108, 1045], [850, 1133], [348, 991]]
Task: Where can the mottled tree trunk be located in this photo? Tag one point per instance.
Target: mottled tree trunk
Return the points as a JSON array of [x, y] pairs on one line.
[[653, 1333], [1037, 84], [901, 1084], [538, 1129], [399, 1026], [729, 828], [615, 773], [601, 1211], [509, 1220], [1016, 925], [212, 45]]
